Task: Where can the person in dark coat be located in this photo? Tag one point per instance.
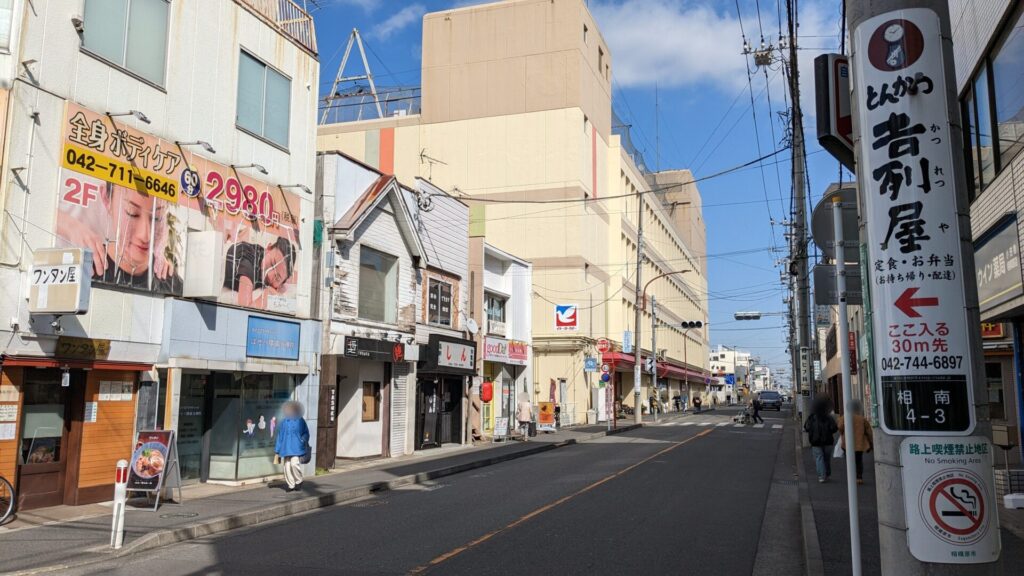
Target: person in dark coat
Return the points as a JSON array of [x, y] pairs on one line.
[[821, 429]]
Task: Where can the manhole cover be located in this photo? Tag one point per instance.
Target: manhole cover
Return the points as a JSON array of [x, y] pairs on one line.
[[180, 515]]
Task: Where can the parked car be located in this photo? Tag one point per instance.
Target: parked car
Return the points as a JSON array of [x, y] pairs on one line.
[[771, 400]]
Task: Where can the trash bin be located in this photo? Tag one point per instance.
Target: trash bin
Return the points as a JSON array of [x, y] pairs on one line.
[[591, 417]]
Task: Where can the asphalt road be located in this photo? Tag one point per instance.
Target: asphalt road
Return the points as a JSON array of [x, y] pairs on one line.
[[667, 499]]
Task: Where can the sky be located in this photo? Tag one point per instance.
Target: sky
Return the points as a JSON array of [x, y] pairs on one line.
[[703, 121]]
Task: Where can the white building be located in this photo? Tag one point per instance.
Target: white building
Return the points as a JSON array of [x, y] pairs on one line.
[[504, 304], [373, 261], [175, 142]]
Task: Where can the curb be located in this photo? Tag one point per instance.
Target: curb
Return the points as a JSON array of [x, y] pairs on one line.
[[277, 511], [813, 563]]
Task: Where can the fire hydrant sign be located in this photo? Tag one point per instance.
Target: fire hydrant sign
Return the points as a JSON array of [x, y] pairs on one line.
[[909, 190], [950, 507]]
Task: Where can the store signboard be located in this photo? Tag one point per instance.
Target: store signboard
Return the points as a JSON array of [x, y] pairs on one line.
[[268, 338], [997, 265], [922, 352], [518, 352], [495, 349], [60, 281], [454, 355], [378, 350], [131, 198]]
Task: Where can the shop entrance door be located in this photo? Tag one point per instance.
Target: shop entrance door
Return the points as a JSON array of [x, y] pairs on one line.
[[451, 410], [45, 449], [428, 408]]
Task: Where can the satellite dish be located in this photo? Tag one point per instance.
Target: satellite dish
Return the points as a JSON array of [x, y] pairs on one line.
[[472, 326]]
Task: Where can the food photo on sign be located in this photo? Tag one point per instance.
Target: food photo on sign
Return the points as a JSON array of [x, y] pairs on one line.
[[133, 198]]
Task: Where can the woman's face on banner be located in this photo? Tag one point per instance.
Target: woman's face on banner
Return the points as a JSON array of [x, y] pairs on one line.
[[275, 268], [131, 216]]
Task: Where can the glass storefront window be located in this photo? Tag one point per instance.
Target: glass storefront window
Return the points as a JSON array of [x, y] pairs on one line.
[[42, 423], [994, 387], [263, 396]]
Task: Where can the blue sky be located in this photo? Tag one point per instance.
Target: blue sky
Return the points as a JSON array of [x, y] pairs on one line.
[[705, 120]]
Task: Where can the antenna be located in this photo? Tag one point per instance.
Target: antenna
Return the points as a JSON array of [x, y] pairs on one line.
[[357, 39]]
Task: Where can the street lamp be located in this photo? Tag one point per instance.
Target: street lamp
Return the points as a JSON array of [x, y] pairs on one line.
[[637, 415], [134, 113]]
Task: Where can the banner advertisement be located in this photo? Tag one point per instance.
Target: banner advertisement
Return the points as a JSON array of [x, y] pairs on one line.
[[149, 460], [132, 198]]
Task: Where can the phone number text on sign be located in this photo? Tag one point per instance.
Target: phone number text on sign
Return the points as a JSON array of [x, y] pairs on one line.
[[119, 173]]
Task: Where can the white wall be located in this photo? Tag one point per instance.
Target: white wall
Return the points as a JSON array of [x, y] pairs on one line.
[[357, 439]]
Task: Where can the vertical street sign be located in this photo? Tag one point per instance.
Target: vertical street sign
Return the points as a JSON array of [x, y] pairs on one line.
[[922, 352]]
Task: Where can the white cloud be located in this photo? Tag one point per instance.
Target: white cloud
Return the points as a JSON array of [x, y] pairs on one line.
[[685, 43], [407, 16]]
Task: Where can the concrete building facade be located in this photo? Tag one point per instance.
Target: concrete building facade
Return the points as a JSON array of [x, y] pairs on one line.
[[516, 120]]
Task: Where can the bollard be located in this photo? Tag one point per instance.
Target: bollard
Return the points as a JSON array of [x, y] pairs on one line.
[[120, 496]]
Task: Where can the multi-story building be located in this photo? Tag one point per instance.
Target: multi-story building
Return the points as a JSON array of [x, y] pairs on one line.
[[988, 40], [159, 157], [516, 118]]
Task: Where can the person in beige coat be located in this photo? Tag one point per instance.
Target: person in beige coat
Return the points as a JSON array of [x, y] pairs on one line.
[[524, 414], [863, 440]]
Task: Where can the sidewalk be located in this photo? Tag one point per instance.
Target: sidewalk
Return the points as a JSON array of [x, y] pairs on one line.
[[829, 502], [208, 509]]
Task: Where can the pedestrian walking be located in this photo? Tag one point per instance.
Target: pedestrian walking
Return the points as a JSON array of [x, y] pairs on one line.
[[524, 414], [696, 404], [756, 405], [863, 440], [821, 429], [292, 448]]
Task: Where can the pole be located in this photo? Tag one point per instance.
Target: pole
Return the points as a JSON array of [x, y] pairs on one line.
[[120, 498], [638, 306], [800, 205], [893, 511], [654, 358], [844, 360]]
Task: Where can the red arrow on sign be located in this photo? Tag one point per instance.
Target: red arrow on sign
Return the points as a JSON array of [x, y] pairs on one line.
[[908, 304]]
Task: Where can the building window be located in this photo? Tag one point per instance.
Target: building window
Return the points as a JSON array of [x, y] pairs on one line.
[[6, 20], [993, 109], [131, 34], [585, 31], [264, 100], [600, 60], [378, 286], [371, 401], [1007, 76], [495, 308], [439, 302]]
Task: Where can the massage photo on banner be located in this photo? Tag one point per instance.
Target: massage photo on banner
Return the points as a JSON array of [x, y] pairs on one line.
[[132, 199]]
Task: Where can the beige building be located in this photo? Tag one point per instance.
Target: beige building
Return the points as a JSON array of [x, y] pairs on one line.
[[516, 117]]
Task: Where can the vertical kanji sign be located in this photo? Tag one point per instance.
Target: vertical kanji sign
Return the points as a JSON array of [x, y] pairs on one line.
[[917, 277]]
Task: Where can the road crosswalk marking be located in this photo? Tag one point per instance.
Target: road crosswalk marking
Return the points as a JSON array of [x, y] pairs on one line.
[[688, 423], [739, 425], [705, 423], [776, 426], [722, 424], [758, 425]]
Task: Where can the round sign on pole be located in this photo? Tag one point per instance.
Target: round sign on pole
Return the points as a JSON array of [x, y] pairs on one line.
[[953, 507], [603, 345], [606, 368]]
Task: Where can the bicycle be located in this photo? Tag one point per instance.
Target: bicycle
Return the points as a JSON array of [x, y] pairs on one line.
[[7, 500]]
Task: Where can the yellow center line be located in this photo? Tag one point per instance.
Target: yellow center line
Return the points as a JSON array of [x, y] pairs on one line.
[[474, 543]]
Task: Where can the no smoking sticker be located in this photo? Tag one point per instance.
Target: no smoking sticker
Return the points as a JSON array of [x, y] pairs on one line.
[[950, 499], [953, 506]]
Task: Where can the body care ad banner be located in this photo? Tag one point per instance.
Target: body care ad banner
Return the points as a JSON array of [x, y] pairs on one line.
[[132, 198]]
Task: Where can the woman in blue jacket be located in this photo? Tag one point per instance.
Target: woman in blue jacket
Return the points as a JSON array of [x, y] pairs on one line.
[[292, 446]]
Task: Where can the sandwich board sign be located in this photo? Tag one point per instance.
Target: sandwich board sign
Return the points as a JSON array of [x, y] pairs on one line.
[[950, 505], [154, 464]]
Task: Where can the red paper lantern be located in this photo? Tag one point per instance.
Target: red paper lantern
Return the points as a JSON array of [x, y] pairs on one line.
[[487, 391]]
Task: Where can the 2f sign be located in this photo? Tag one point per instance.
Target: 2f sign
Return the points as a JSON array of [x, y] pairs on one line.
[[923, 357]]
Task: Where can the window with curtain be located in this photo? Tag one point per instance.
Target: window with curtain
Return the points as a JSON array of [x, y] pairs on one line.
[[378, 286], [264, 100], [131, 34]]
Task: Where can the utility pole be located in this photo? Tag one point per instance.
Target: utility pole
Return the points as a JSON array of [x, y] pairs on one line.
[[654, 357], [638, 306], [925, 404], [798, 261]]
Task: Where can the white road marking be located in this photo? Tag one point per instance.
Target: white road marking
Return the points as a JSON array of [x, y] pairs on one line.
[[758, 425], [688, 423], [739, 425], [722, 424], [776, 426], [705, 423]]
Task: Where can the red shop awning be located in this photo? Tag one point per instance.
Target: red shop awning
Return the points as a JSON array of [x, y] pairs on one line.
[[40, 362], [624, 362]]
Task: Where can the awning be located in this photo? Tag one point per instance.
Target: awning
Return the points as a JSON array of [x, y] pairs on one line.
[[665, 369], [41, 362]]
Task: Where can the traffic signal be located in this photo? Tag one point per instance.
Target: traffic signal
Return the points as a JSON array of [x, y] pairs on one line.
[[686, 325]]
